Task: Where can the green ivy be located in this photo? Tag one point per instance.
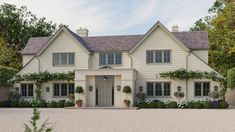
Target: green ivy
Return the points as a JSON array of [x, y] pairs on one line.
[[43, 77], [6, 73], [231, 78]]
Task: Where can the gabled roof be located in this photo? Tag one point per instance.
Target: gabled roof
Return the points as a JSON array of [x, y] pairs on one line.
[[188, 40]]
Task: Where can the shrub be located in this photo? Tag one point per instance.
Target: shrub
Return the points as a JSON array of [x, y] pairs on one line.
[[53, 104], [179, 95], [214, 95], [230, 78], [198, 105], [71, 97], [28, 104], [22, 103], [182, 105], [190, 104], [172, 104], [206, 104], [69, 104], [215, 104], [152, 105], [79, 89], [141, 96], [143, 105], [126, 89], [42, 104], [61, 103], [160, 104], [224, 105]]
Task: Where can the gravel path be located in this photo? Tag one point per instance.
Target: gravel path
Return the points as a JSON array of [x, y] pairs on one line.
[[144, 120]]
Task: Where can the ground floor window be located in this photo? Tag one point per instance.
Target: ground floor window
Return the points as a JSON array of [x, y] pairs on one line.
[[63, 89], [158, 89], [26, 89], [201, 89]]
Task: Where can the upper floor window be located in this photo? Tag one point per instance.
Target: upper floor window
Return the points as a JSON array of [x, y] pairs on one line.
[[158, 56], [201, 89], [110, 58], [63, 59], [158, 89], [26, 89]]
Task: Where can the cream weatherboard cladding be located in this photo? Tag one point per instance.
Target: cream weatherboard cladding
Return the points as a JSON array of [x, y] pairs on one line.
[[134, 71]]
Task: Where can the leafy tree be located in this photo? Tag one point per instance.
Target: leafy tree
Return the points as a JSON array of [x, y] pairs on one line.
[[221, 28]]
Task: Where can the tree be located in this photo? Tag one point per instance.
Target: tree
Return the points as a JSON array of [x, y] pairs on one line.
[[221, 29]]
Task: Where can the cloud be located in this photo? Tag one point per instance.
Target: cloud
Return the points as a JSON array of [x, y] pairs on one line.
[[105, 17]]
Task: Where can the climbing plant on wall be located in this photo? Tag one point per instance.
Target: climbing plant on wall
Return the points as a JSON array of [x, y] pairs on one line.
[[42, 77]]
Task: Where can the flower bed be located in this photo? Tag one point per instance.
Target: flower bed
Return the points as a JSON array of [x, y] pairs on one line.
[[204, 104]]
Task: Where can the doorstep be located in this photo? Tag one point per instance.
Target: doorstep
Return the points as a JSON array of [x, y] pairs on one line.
[[104, 108]]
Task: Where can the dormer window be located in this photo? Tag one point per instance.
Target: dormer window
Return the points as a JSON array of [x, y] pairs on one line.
[[61, 59], [110, 58], [158, 56]]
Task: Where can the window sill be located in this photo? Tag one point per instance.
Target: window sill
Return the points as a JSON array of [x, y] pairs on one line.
[[63, 65], [158, 63], [158, 96]]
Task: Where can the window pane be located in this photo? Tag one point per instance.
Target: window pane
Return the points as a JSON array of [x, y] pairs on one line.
[[55, 59], [63, 58], [71, 58], [150, 89], [167, 56], [23, 90], [206, 88], [30, 89], [158, 57], [158, 89], [197, 89], [110, 58], [118, 58], [56, 89], [167, 89], [102, 59], [149, 56], [71, 88], [64, 89]]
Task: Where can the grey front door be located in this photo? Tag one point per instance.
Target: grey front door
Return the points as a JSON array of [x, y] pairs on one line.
[[104, 90]]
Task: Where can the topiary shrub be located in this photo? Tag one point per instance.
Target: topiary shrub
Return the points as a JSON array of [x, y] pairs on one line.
[[126, 89], [231, 78], [224, 105], [14, 103], [61, 103], [179, 95], [215, 104], [190, 104], [152, 105], [69, 104], [172, 104], [42, 104], [79, 89], [198, 105], [206, 104], [143, 105], [53, 104], [160, 104]]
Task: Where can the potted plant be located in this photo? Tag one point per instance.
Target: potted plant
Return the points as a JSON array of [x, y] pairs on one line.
[[126, 90], [179, 95], [79, 90]]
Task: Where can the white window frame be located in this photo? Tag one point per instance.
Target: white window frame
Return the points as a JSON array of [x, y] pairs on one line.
[[202, 88], [107, 58], [27, 89], [154, 56], [162, 87], [60, 59], [60, 89]]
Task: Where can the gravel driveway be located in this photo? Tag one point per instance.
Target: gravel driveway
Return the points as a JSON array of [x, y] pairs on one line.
[[144, 120]]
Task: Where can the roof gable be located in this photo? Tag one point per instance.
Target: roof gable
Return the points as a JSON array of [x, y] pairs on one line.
[[158, 25]]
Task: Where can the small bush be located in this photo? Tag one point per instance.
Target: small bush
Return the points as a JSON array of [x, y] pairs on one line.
[[22, 104], [152, 105], [69, 104], [215, 104], [143, 105], [198, 105], [190, 105], [79, 89], [53, 104], [224, 105], [206, 104], [28, 104], [42, 104], [61, 103], [14, 103], [126, 89], [173, 104], [160, 104]]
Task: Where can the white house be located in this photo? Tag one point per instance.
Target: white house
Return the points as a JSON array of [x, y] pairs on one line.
[[103, 65]]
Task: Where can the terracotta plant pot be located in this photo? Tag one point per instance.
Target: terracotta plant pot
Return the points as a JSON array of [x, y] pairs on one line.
[[79, 103], [127, 103]]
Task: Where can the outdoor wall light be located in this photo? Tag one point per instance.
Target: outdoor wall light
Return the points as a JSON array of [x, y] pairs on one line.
[[216, 88], [179, 88], [90, 88], [17, 89], [118, 87], [140, 88], [47, 89]]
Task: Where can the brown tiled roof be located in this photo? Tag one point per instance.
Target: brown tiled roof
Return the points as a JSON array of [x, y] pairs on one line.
[[192, 40]]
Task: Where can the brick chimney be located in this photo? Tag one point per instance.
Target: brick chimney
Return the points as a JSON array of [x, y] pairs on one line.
[[175, 28], [82, 32]]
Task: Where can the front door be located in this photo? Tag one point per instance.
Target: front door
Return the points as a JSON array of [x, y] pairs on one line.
[[104, 90]]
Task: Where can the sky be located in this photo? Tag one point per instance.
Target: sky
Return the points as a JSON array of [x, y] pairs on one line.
[[117, 17]]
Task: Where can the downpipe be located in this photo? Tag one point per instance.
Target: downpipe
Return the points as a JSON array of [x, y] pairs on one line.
[[189, 53]]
